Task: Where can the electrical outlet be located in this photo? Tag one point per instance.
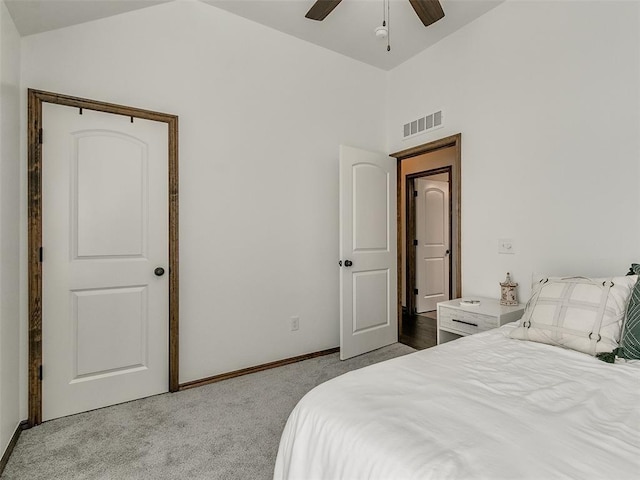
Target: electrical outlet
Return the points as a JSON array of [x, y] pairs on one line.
[[295, 323], [506, 245]]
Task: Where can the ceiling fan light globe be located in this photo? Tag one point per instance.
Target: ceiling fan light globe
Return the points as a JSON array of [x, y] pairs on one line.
[[381, 32]]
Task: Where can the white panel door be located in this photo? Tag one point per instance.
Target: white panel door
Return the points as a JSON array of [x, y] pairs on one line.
[[105, 312], [368, 278], [432, 251]]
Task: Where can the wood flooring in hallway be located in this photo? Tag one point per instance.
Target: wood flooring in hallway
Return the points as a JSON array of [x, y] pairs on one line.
[[419, 330]]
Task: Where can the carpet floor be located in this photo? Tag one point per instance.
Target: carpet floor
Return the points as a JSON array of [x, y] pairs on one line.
[[226, 430]]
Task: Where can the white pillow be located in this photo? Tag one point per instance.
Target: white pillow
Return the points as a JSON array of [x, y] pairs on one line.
[[583, 314]]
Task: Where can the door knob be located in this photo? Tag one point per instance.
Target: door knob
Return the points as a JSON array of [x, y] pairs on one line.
[[348, 263], [447, 252], [159, 271]]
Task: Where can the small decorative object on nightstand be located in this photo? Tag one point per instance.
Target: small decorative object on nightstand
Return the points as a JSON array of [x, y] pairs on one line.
[[457, 320], [508, 295]]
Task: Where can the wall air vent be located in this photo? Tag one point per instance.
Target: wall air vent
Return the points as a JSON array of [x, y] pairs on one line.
[[422, 125]]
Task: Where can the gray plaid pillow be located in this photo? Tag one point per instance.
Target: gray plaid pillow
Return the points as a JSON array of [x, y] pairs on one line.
[[578, 313]]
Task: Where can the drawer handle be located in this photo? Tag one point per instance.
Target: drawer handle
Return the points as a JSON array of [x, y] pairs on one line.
[[466, 323]]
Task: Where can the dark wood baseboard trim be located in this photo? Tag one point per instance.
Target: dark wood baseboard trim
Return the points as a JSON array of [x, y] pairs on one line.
[[23, 425], [257, 368]]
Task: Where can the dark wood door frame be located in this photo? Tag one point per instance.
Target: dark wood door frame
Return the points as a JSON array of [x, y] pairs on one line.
[[34, 151], [410, 222], [454, 141]]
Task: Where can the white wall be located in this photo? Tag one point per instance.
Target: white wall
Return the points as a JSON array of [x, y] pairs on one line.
[[261, 118], [547, 97], [9, 226]]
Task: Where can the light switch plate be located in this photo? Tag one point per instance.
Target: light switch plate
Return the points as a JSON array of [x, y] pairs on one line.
[[506, 245]]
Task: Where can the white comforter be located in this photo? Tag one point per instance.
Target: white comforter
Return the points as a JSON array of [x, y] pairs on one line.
[[482, 407]]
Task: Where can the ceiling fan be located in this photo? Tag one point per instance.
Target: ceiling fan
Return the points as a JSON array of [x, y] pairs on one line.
[[429, 11]]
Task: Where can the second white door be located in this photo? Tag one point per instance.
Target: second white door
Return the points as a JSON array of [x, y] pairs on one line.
[[433, 249], [368, 276], [105, 260]]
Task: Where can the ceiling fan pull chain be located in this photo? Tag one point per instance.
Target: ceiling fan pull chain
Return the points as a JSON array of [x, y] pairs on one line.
[[388, 28]]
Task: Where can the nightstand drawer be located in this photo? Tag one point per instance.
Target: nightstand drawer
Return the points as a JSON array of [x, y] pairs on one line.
[[466, 322], [455, 320]]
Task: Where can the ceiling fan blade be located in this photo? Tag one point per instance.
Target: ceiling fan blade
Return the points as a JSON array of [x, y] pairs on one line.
[[429, 11], [321, 9]]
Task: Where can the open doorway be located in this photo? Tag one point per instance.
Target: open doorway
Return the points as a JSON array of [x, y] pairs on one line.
[[429, 267], [427, 223]]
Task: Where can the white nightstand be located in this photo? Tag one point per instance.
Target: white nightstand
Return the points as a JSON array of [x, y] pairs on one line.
[[455, 321]]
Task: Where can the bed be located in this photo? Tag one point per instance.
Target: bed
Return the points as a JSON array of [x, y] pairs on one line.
[[486, 406]]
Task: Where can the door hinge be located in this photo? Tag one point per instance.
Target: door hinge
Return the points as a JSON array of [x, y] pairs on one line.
[[40, 136], [40, 373], [415, 193], [415, 242], [415, 291], [40, 254]]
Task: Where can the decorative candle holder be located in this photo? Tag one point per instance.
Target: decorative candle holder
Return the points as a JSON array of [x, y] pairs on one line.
[[508, 294]]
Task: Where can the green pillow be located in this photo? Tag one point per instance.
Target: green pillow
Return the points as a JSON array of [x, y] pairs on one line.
[[630, 341]]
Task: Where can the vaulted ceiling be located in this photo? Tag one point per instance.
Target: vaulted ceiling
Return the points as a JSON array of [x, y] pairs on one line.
[[348, 30]]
